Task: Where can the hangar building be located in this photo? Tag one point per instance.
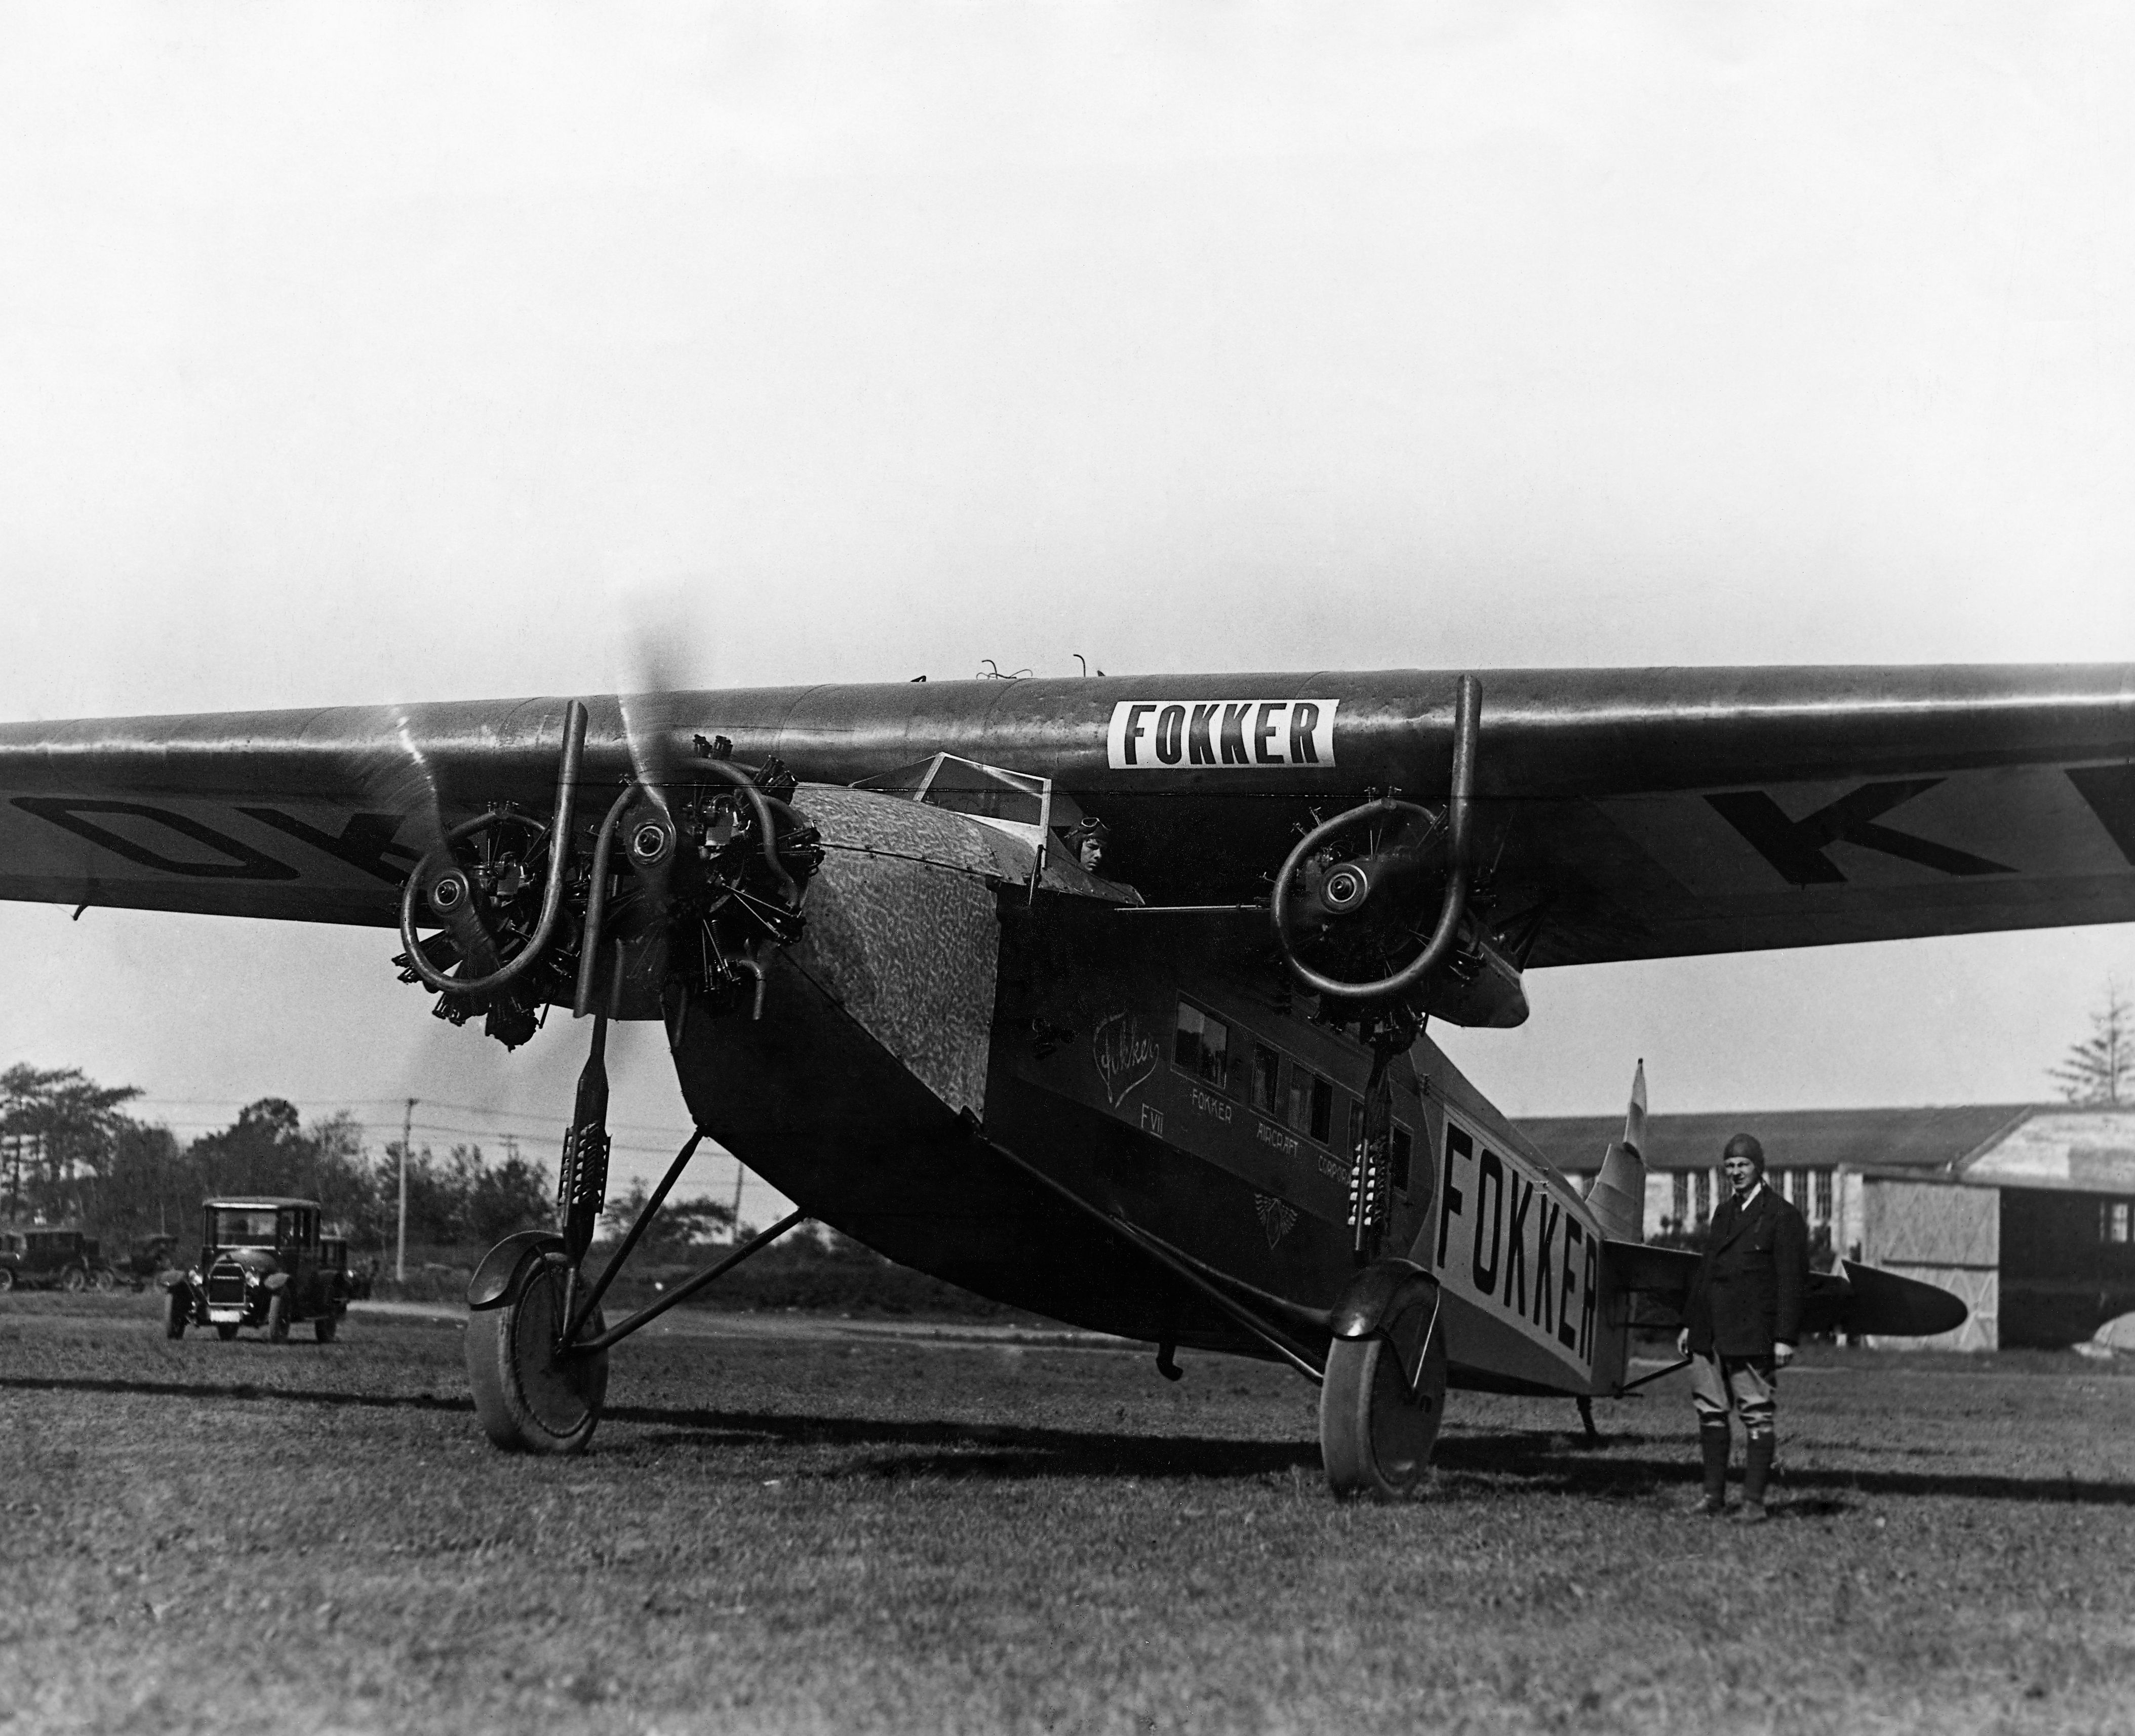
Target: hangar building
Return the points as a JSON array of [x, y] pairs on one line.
[[2026, 1210]]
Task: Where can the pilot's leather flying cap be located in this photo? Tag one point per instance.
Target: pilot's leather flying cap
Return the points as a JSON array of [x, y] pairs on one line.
[[1746, 1145]]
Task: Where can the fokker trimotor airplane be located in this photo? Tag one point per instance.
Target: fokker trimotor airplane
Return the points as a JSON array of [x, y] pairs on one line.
[[1176, 1088]]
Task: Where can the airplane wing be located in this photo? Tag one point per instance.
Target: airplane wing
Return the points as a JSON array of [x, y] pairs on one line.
[[1621, 813]]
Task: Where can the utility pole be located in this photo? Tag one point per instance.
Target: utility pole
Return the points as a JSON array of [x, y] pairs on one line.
[[400, 1253]]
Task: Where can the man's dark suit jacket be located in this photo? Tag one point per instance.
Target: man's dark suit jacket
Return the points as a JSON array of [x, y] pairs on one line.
[[1747, 1295]]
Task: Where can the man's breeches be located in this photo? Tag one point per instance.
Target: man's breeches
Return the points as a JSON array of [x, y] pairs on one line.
[[1721, 1384]]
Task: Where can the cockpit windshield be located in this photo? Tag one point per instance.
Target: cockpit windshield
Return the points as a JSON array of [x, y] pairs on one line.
[[1016, 802], [241, 1226]]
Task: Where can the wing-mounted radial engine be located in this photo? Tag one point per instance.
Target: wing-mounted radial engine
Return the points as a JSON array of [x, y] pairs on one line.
[[1374, 910], [668, 901]]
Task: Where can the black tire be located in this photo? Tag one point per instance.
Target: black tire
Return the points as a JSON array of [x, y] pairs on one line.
[[1375, 1433], [103, 1278], [6, 1280], [73, 1281], [278, 1318], [324, 1328], [225, 1330], [528, 1398], [177, 1314]]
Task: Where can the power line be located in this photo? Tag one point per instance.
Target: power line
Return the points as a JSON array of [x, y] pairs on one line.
[[680, 1133]]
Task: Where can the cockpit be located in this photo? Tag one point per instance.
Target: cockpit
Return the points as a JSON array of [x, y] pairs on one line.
[[1017, 804]]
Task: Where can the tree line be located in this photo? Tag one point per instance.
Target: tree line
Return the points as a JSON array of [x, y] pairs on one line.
[[71, 1153]]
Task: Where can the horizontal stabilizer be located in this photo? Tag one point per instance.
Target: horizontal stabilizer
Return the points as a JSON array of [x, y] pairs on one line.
[[1664, 1272], [1855, 1298], [1868, 1300]]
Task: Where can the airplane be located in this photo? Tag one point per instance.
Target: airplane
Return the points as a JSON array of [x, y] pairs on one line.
[[1107, 998]]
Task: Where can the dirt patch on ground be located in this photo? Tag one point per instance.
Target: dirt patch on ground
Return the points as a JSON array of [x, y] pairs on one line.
[[797, 1531]]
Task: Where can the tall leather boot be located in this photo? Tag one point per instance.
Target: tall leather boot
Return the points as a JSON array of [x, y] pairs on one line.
[[1757, 1470], [1712, 1437]]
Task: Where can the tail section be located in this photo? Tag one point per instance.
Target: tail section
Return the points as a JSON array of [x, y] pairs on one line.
[[1617, 1195]]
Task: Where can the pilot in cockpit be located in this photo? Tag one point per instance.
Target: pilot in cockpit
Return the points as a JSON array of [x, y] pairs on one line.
[[1088, 838]]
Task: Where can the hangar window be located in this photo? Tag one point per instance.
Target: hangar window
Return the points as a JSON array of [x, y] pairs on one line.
[[1268, 1070], [1682, 1198], [1822, 1213], [2113, 1220], [1704, 1181], [1203, 1048]]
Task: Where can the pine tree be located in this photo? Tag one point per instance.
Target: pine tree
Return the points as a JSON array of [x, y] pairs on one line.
[[2100, 1070]]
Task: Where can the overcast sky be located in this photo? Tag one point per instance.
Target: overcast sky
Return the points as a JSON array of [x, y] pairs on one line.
[[362, 353]]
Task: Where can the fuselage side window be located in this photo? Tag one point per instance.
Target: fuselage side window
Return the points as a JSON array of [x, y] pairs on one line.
[[1186, 1051], [1267, 1078], [1323, 1111], [1401, 1145], [1356, 1131], [1203, 1046], [1215, 1052]]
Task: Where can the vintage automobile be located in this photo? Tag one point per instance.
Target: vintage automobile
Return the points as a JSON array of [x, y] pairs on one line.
[[52, 1256], [262, 1263], [147, 1260]]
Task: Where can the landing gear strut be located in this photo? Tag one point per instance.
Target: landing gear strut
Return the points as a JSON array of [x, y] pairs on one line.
[[537, 1340]]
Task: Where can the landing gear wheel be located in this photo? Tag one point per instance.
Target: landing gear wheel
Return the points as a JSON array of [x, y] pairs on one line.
[[278, 1319], [225, 1330], [176, 1315], [531, 1399], [1376, 1432], [324, 1328]]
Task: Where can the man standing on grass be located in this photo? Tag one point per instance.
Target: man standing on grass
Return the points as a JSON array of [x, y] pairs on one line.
[[1742, 1321]]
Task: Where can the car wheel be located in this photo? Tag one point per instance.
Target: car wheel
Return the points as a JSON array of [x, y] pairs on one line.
[[74, 1279], [324, 1328], [529, 1399], [225, 1330], [6, 1280], [278, 1318], [106, 1279], [177, 1315]]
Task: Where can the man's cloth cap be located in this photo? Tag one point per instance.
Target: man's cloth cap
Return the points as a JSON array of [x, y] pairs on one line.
[[1746, 1145]]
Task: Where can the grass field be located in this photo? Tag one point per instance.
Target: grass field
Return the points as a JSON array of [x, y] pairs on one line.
[[800, 1531]]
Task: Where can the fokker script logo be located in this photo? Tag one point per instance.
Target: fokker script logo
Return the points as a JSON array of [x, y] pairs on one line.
[[1152, 735], [1124, 1052]]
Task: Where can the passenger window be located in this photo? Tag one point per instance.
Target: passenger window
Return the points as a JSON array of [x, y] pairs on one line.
[[1323, 1111], [1401, 1154], [1203, 1046], [1356, 1129], [1186, 1051], [1267, 1066], [1215, 1052]]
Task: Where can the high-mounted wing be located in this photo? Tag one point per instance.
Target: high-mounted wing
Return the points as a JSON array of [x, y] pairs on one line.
[[1619, 814]]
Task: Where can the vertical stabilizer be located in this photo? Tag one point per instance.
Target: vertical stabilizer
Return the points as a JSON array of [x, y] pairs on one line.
[[1618, 1193]]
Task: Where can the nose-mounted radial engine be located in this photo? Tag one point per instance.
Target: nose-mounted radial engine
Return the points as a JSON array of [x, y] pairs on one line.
[[670, 902]]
